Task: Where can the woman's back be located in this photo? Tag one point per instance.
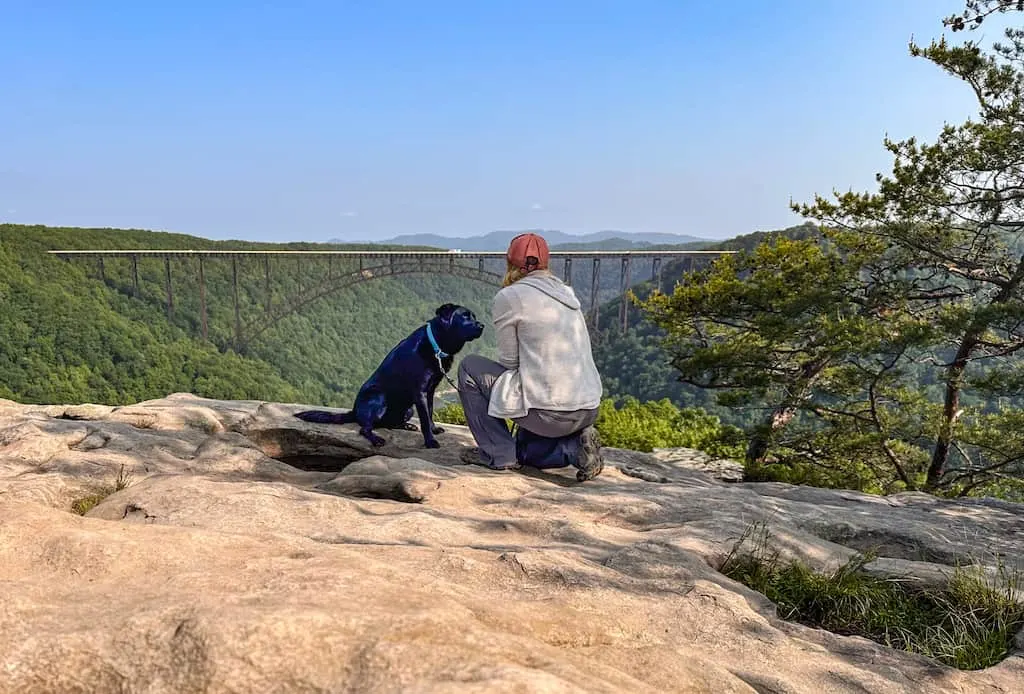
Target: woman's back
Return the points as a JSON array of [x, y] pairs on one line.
[[543, 338]]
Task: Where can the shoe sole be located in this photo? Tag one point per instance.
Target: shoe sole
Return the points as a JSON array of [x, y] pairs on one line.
[[591, 460]]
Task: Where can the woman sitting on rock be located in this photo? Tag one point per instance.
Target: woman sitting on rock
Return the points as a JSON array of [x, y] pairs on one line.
[[545, 379]]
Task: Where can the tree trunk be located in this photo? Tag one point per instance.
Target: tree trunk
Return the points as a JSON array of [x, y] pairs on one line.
[[759, 442], [762, 437], [938, 466], [950, 410]]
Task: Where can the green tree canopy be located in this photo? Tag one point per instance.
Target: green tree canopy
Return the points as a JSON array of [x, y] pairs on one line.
[[914, 288]]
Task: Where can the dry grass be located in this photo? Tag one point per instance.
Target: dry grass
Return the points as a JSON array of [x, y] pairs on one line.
[[970, 624], [85, 504]]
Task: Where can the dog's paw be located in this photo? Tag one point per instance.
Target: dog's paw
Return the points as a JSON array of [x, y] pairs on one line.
[[432, 444], [409, 426], [377, 441], [437, 429]]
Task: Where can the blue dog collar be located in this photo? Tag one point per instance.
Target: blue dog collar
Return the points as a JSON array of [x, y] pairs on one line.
[[438, 352]]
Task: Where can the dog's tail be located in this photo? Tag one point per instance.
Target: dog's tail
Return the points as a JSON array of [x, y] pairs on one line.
[[324, 417]]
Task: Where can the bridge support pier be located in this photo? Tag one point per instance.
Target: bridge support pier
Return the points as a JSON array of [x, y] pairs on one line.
[[594, 281], [656, 274], [135, 275], [234, 290], [624, 306], [202, 300], [567, 272], [266, 282], [167, 284]]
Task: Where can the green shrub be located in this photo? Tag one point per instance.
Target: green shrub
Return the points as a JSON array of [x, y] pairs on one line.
[[660, 424], [1007, 488], [646, 426], [450, 414], [852, 475], [970, 624]]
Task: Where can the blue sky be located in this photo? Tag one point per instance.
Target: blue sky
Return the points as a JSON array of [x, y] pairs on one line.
[[363, 120]]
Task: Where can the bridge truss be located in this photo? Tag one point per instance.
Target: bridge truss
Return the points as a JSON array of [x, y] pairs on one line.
[[320, 273]]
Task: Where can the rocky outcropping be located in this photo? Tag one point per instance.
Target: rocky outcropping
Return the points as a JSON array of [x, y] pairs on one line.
[[251, 551]]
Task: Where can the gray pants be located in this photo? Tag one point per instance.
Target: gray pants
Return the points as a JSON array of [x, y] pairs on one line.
[[476, 379]]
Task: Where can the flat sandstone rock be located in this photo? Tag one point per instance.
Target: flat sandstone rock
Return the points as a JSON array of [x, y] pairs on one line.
[[254, 552]]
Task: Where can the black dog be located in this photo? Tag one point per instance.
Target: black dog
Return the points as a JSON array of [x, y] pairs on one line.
[[407, 378]]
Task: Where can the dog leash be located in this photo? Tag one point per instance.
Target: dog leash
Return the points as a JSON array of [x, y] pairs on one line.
[[440, 354]]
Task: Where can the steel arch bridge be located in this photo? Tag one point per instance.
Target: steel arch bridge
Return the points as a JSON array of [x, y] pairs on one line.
[[334, 271]]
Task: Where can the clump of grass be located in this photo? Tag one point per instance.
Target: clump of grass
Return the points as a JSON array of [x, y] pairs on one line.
[[969, 624], [86, 503]]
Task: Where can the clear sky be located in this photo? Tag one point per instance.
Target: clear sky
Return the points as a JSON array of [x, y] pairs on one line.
[[364, 119]]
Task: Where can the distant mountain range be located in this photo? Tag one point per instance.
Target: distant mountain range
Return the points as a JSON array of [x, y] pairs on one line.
[[499, 240]]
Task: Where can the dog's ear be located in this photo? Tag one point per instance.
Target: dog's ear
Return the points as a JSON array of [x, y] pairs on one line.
[[445, 310]]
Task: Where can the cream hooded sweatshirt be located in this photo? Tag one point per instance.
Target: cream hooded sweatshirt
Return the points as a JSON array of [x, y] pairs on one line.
[[543, 342]]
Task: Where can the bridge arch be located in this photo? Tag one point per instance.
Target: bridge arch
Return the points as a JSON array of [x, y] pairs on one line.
[[390, 262], [332, 285]]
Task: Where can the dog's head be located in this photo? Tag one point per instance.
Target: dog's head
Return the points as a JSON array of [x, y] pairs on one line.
[[456, 325]]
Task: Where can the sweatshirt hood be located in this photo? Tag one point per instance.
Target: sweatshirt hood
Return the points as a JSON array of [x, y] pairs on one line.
[[553, 287]]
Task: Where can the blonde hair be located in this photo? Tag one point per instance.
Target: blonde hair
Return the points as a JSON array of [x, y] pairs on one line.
[[512, 275]]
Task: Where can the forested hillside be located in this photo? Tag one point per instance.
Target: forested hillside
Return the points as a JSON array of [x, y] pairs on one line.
[[71, 334], [635, 364], [66, 335]]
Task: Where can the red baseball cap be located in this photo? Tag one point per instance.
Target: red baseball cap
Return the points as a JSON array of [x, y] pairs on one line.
[[528, 252]]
